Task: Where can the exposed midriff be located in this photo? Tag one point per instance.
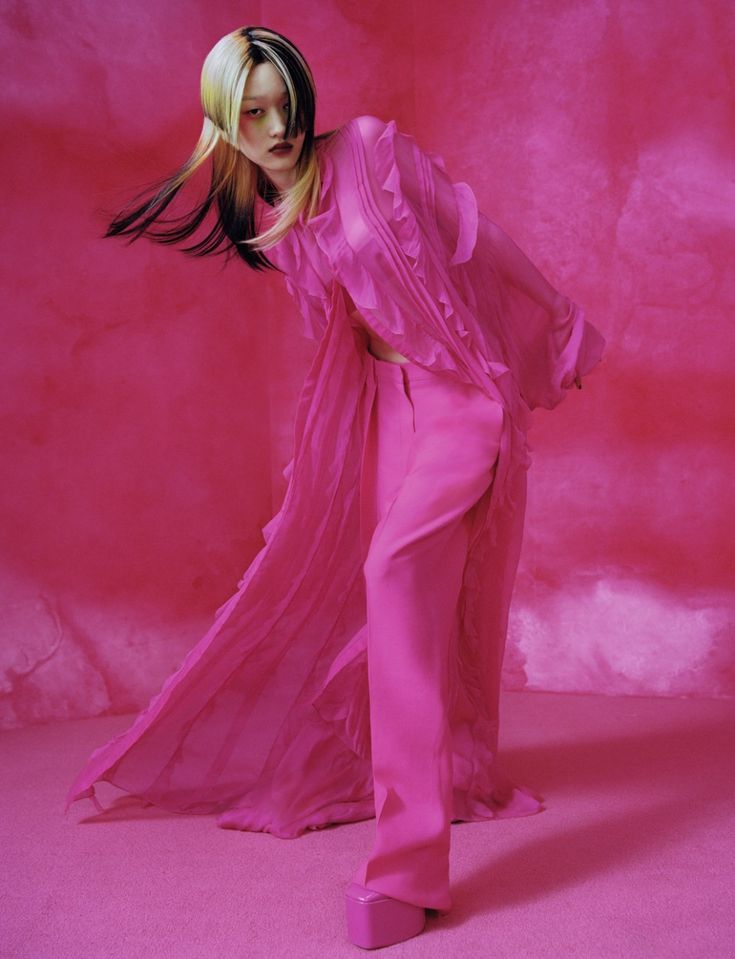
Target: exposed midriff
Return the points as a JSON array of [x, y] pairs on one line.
[[377, 346]]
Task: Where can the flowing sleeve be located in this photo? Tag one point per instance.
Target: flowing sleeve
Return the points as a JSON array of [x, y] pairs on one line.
[[488, 289]]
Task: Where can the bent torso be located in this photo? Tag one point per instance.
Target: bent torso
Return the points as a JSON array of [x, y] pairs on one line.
[[378, 347]]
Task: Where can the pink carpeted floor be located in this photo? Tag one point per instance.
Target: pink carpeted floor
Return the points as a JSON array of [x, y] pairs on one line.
[[632, 857]]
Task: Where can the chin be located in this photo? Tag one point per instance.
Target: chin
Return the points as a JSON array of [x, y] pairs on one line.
[[282, 162]]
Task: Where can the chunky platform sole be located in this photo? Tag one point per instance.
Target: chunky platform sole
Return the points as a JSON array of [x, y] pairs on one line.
[[375, 920]]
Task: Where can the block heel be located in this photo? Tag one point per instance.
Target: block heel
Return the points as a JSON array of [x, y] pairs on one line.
[[375, 920]]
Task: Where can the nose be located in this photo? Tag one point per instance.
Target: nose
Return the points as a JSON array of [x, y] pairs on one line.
[[277, 123]]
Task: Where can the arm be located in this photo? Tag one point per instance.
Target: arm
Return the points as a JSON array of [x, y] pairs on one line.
[[413, 225], [511, 260], [521, 272]]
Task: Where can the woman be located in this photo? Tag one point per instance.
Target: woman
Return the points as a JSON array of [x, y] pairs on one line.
[[356, 670]]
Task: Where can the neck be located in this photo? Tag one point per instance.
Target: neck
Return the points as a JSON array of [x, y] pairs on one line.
[[282, 183]]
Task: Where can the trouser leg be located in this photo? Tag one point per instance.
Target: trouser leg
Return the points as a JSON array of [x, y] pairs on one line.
[[435, 446]]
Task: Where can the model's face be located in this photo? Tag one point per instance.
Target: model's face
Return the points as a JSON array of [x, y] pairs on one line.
[[263, 116]]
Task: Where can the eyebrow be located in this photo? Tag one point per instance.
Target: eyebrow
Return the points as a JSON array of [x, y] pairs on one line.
[[283, 94]]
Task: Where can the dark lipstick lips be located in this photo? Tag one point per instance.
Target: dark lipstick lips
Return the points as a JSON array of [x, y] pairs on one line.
[[281, 148]]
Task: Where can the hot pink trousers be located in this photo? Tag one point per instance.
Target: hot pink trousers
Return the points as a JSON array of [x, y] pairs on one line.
[[429, 455]]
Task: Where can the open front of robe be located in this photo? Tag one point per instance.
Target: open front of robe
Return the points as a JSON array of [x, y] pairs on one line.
[[266, 721]]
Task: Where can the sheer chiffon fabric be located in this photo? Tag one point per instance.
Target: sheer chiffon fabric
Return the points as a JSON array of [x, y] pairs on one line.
[[266, 723]]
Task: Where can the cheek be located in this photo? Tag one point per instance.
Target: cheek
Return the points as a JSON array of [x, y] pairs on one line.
[[247, 142]]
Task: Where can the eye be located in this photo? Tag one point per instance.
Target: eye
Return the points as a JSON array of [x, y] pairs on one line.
[[252, 111]]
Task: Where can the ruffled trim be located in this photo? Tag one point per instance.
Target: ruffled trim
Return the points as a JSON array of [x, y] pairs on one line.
[[581, 353], [414, 224], [405, 223], [347, 256], [468, 221]]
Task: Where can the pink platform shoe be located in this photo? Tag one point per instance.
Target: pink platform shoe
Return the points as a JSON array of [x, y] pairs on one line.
[[375, 920]]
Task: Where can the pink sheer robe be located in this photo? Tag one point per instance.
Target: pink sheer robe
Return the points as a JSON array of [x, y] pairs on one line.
[[266, 721]]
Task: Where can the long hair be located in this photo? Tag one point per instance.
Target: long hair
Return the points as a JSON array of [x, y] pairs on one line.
[[235, 179]]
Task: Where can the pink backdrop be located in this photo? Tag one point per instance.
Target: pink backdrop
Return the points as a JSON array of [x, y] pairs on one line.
[[148, 397]]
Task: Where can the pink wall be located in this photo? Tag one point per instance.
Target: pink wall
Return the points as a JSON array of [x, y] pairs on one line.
[[148, 397]]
